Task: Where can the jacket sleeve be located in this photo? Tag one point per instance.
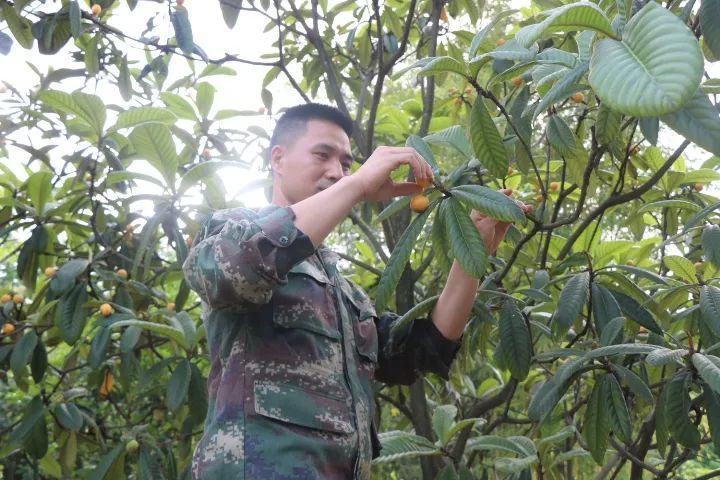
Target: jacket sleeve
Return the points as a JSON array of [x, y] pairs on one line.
[[241, 256], [405, 352]]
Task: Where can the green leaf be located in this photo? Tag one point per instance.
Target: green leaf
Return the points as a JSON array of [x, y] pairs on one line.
[[466, 244], [71, 313], [573, 297], [711, 244], [40, 189], [621, 349], [423, 149], [560, 136], [710, 306], [605, 307], [650, 127], [443, 64], [442, 420], [148, 468], [681, 267], [66, 275], [124, 82], [399, 258], [548, 395], [91, 109], [178, 105], [495, 442], [98, 348], [576, 16], [183, 29], [153, 142], [33, 413], [490, 202], [20, 27], [197, 395], [39, 362], [708, 367], [452, 137], [418, 310], [198, 173], [69, 416], [618, 414], [515, 340], [636, 384], [607, 125], [612, 332], [394, 207], [486, 140], [677, 407], [91, 56], [596, 429], [561, 90], [698, 121], [143, 115], [397, 444], [177, 388], [483, 34], [646, 74], [637, 312], [710, 25], [106, 463], [22, 353], [712, 408], [205, 97], [75, 19], [230, 11], [665, 356], [679, 204], [711, 86]]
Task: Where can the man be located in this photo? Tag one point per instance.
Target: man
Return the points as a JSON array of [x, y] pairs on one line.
[[294, 346]]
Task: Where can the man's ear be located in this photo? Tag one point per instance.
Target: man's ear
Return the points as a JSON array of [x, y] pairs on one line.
[[277, 157]]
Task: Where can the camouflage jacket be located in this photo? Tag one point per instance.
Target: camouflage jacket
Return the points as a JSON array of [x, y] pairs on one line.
[[294, 351]]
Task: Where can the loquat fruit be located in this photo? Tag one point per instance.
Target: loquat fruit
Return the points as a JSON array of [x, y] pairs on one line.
[[96, 10], [424, 182], [122, 273], [7, 329], [554, 186], [578, 97], [698, 187], [171, 307], [5, 298], [51, 271], [133, 445], [17, 298], [517, 81], [106, 310], [500, 42], [419, 203]]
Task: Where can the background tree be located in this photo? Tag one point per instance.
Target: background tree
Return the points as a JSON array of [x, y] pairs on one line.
[[590, 351]]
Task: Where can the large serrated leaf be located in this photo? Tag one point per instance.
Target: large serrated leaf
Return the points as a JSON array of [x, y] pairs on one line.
[[455, 137], [172, 333], [183, 29], [495, 442], [665, 356], [177, 388], [397, 261], [618, 414], [708, 367], [106, 462], [201, 171], [490, 202], [605, 308], [178, 105], [711, 244], [423, 149], [677, 406], [397, 444], [681, 267], [548, 395], [141, 115], [441, 65], [560, 137], [710, 306], [562, 89], [516, 340], [22, 353], [486, 140], [646, 74], [637, 312], [607, 125], [20, 27], [712, 408], [482, 35], [575, 16], [621, 349], [71, 313], [698, 121], [636, 384], [230, 11], [466, 244], [596, 429], [443, 419], [572, 299], [710, 25], [153, 142]]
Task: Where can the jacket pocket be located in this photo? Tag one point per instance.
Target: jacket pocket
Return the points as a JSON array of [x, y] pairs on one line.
[[306, 302], [364, 315], [290, 404]]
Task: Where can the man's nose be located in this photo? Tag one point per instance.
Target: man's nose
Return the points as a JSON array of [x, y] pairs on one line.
[[335, 171]]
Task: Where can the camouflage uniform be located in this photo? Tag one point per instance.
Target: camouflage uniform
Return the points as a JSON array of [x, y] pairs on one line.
[[294, 349]]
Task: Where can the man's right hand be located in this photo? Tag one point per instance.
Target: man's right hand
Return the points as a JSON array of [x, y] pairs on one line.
[[373, 178]]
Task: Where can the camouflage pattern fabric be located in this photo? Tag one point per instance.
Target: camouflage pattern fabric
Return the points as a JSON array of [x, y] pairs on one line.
[[294, 349]]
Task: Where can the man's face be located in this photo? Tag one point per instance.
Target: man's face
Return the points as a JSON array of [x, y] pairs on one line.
[[316, 159]]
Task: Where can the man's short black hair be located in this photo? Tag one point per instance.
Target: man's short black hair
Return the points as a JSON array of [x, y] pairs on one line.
[[294, 121]]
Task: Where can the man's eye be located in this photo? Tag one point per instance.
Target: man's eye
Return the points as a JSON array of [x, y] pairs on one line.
[[322, 155]]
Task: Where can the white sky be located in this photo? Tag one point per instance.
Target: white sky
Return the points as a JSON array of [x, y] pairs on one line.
[[241, 92]]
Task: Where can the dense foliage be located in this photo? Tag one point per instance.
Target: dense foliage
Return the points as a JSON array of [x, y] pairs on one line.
[[591, 350]]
